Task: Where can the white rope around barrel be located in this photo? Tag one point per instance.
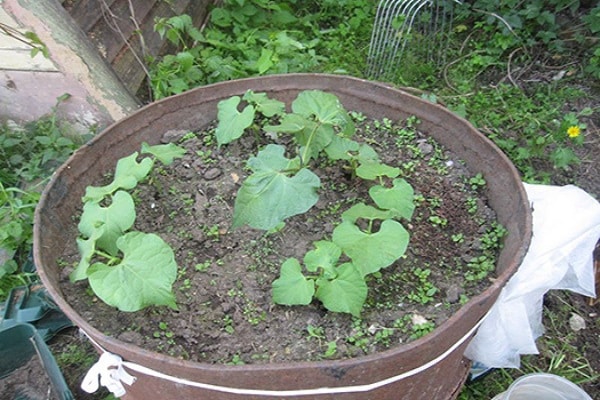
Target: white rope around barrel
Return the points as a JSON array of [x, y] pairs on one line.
[[109, 370]]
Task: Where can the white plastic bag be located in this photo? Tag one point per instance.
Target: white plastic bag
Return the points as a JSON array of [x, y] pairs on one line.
[[566, 227]]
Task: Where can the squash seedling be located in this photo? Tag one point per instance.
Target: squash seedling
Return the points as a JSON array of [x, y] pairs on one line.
[[131, 270], [281, 187], [126, 269]]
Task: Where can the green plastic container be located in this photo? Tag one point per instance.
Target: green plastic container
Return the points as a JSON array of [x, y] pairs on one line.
[[21, 345]]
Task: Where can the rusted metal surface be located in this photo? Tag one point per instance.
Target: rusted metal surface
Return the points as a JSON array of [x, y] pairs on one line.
[[196, 109]]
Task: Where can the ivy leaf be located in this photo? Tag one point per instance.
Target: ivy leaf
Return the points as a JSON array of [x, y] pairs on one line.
[[374, 170], [372, 251], [165, 153], [265, 61], [325, 255], [398, 198], [361, 210], [232, 123], [347, 292], [292, 288], [127, 175], [269, 195], [263, 104], [143, 278], [113, 220]]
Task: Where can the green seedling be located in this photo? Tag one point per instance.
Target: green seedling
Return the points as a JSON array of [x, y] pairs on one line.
[[126, 269], [280, 187], [341, 286], [439, 221], [425, 290], [477, 182], [228, 324], [420, 330], [458, 238], [315, 332]]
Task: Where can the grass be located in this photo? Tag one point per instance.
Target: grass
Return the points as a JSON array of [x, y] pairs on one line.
[[561, 353]]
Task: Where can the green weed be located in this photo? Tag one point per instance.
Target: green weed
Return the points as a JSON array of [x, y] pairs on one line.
[[28, 155]]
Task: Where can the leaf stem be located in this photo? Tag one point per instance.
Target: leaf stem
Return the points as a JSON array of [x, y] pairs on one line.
[[308, 142], [111, 259]]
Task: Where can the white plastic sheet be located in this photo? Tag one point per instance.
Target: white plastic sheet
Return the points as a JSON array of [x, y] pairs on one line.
[[566, 227]]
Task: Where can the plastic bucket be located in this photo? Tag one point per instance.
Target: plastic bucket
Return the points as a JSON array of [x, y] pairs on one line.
[[543, 387]]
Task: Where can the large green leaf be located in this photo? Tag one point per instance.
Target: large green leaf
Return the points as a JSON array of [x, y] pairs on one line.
[[165, 153], [341, 148], [292, 288], [372, 170], [127, 175], [114, 219], [398, 198], [290, 123], [270, 195], [232, 122], [326, 107], [372, 251], [313, 139], [366, 154], [325, 256], [361, 210], [144, 277], [347, 292], [265, 105]]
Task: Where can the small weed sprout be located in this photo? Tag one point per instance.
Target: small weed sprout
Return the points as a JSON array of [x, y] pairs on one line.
[[477, 182]]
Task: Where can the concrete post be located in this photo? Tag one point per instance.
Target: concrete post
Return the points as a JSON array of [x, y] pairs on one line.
[[29, 88]]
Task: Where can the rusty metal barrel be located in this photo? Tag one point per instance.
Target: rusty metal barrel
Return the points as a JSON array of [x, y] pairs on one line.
[[432, 367]]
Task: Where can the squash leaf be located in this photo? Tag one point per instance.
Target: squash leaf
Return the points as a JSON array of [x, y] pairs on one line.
[[232, 122], [372, 251], [292, 288], [144, 277], [114, 220], [127, 175], [87, 248], [347, 292], [165, 153], [263, 104], [361, 210], [325, 256], [398, 198], [270, 194]]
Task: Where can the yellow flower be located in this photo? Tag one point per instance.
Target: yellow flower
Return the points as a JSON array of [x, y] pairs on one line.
[[573, 131]]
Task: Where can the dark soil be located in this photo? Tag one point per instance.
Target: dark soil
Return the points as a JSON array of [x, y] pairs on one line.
[[29, 381], [223, 289]]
